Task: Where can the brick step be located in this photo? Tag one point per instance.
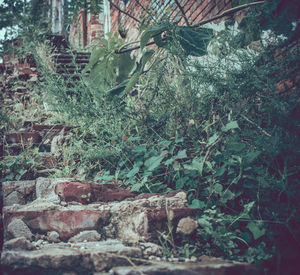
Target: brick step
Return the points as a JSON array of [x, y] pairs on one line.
[[41, 127], [74, 77], [48, 160], [66, 66], [16, 149], [71, 59], [71, 56], [68, 71], [48, 138], [22, 137]]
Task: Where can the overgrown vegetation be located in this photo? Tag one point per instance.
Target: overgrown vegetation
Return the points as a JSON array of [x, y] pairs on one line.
[[221, 123]]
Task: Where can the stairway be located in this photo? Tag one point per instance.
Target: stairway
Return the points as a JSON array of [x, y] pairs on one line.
[[60, 226], [68, 227]]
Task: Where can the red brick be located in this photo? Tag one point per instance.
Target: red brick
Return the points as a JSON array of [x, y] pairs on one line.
[[87, 192], [67, 223]]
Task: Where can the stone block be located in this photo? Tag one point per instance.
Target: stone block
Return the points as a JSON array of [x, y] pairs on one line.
[[17, 228], [18, 192]]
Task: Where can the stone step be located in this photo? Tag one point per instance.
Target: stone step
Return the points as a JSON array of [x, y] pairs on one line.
[[68, 208], [203, 266], [20, 256]]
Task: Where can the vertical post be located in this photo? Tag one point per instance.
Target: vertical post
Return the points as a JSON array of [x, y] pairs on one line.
[[84, 24], [24, 7]]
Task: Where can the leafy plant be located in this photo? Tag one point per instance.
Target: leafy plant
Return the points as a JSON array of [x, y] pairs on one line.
[[22, 166]]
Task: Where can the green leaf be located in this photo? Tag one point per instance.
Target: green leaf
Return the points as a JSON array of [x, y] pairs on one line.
[[248, 207], [196, 165], [227, 196], [178, 140], [212, 139], [256, 229], [194, 41], [235, 146], [146, 57], [176, 166], [125, 64], [95, 56], [137, 187], [251, 156], [139, 149], [153, 162], [204, 223], [134, 138], [220, 171], [132, 82], [118, 90], [22, 172], [133, 172], [181, 154], [10, 163], [151, 32], [169, 161], [217, 188], [197, 204], [230, 125]]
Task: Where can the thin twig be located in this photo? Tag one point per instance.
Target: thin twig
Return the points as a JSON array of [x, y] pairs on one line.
[[227, 12], [207, 153], [182, 12], [223, 14], [122, 11], [145, 10], [129, 260], [253, 123]]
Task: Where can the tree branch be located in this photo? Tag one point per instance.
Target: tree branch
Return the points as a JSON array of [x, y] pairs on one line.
[[182, 12], [227, 12], [145, 10], [122, 11]]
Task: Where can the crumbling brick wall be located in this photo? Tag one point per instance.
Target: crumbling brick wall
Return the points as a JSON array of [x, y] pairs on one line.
[[89, 28], [195, 11]]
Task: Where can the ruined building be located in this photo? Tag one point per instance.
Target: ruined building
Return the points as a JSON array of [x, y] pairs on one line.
[[126, 16]]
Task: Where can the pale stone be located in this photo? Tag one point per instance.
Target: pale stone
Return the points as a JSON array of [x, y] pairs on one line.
[[11, 199], [89, 235], [18, 192], [17, 228], [151, 249], [61, 257], [186, 226], [20, 243], [43, 187], [53, 236]]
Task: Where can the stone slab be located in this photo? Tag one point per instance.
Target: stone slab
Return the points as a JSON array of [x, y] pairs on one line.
[[63, 257]]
